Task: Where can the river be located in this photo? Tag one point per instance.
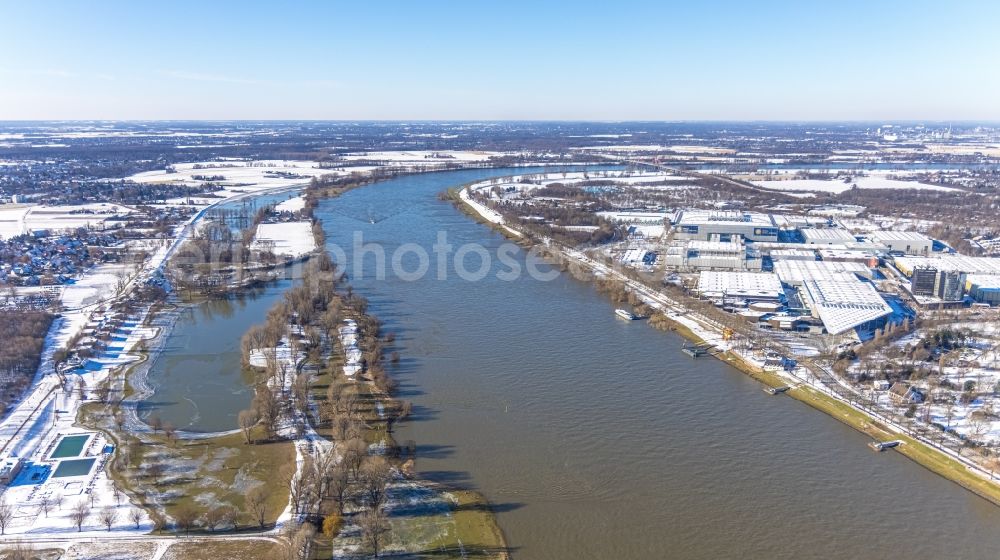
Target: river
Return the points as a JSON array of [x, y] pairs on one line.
[[197, 379], [598, 438]]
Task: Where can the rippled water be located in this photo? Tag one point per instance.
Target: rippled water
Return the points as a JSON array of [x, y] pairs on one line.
[[597, 438], [197, 380]]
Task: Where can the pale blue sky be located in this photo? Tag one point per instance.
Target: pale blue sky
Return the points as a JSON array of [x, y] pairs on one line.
[[839, 60]]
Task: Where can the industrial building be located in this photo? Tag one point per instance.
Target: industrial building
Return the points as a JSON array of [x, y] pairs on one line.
[[950, 262], [750, 286], [922, 281], [724, 225], [906, 242], [639, 257], [844, 305], [946, 285], [950, 285], [826, 236], [696, 255], [795, 273], [792, 255], [867, 258], [983, 288]]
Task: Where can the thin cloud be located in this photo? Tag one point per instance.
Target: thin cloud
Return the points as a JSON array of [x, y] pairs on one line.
[[200, 77], [227, 79], [55, 73], [58, 73]]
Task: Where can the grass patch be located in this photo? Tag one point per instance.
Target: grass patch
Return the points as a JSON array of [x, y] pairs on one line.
[[226, 469], [11, 551], [224, 550], [475, 531], [202, 474]]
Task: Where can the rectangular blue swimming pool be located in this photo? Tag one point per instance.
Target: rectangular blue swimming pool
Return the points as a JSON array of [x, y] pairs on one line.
[[70, 446], [73, 467]]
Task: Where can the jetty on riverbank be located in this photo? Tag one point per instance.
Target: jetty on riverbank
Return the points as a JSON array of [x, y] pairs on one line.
[[698, 350], [883, 445]]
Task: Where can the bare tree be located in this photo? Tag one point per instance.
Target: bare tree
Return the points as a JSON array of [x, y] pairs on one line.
[[170, 432], [402, 412], [230, 517], [337, 485], [125, 455], [300, 541], [156, 471], [375, 474], [80, 513], [256, 503], [301, 486], [45, 503], [108, 517], [374, 527], [268, 407], [300, 390], [212, 518], [979, 425], [354, 452], [247, 420], [185, 518], [345, 428], [6, 515], [135, 516]]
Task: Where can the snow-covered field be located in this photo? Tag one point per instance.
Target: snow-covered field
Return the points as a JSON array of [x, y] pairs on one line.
[[423, 157], [262, 173], [240, 177], [652, 178], [98, 284], [287, 238], [837, 186], [348, 335], [638, 148], [33, 432], [18, 219], [293, 204]]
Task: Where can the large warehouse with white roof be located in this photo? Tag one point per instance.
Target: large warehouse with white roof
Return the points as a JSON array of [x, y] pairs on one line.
[[826, 236], [695, 255], [951, 263], [845, 305], [906, 242], [794, 273], [742, 285], [718, 225]]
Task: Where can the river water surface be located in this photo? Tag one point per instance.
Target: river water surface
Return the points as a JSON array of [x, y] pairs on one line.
[[197, 380], [598, 438]]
